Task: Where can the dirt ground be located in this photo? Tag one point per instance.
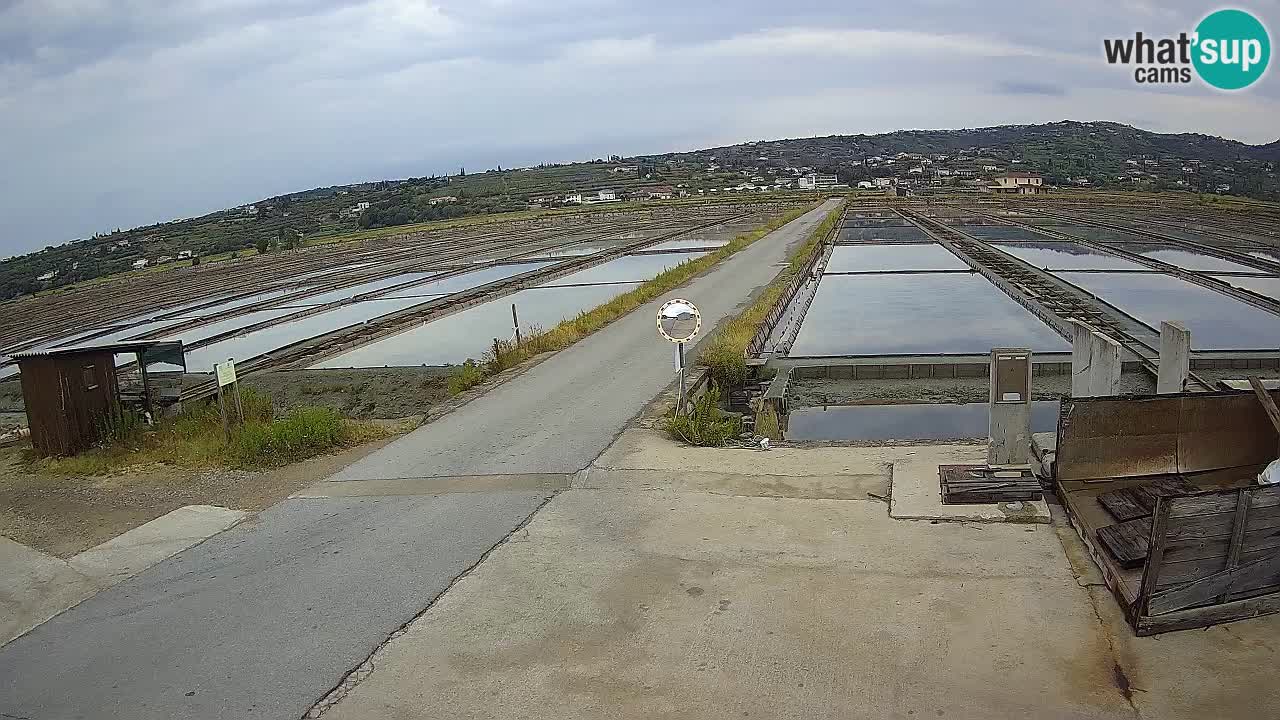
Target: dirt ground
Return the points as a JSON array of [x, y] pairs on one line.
[[65, 515], [366, 393]]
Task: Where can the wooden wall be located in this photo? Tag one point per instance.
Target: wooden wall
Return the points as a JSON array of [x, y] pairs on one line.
[[67, 399]]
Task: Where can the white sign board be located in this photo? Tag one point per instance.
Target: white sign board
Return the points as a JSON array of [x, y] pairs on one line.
[[226, 372]]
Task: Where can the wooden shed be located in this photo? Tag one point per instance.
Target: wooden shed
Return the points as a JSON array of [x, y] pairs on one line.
[[71, 393]]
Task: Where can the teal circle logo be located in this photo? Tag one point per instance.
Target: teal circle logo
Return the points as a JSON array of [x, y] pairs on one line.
[[1232, 49]]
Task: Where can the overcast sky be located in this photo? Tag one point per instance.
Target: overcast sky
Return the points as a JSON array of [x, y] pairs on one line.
[[115, 113]]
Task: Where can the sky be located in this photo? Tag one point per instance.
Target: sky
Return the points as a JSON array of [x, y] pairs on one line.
[[117, 113]]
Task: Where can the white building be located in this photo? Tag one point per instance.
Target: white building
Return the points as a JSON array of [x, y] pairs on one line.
[[865, 185], [139, 263], [185, 254], [883, 182], [442, 199], [1019, 183], [573, 199], [816, 181]]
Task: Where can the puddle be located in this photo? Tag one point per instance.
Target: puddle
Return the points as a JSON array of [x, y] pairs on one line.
[[468, 334], [917, 314], [217, 328], [863, 258], [1067, 256], [884, 232], [924, 421], [1000, 232], [1267, 286], [468, 280], [1216, 321], [628, 268], [244, 347], [686, 243], [1190, 260], [325, 298], [230, 304]]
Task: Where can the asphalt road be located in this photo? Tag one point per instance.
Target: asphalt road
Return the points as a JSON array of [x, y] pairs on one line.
[[264, 619], [562, 414]]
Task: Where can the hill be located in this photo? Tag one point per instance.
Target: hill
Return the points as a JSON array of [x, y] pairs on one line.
[[1093, 154]]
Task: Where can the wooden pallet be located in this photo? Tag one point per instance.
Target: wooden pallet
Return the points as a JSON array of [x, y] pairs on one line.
[[969, 484]]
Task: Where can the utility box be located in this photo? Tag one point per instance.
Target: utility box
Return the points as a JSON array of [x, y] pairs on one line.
[[1009, 440]]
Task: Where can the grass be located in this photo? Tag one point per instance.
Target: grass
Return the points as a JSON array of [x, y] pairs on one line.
[[510, 353], [194, 438], [726, 353], [705, 424]]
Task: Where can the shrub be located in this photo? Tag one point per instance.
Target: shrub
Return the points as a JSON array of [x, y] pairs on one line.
[[705, 424], [302, 433], [465, 376]]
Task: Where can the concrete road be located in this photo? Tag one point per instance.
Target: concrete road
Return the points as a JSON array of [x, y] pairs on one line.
[[730, 584], [263, 620]]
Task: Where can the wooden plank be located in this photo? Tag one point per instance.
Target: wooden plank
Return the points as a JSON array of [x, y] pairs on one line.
[[1209, 615], [1220, 501], [1219, 525], [1242, 511], [1139, 501], [1155, 556], [1268, 403], [1128, 542], [1123, 505], [1263, 572]]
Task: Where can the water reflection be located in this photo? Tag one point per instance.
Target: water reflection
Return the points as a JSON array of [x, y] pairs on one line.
[[917, 314]]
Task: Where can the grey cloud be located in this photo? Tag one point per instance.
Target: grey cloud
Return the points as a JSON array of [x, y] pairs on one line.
[[122, 112], [1015, 87]]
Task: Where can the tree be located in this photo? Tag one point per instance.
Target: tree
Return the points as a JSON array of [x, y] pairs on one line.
[[263, 244]]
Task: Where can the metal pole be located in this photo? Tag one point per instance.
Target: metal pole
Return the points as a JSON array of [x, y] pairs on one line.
[[680, 402], [515, 321]]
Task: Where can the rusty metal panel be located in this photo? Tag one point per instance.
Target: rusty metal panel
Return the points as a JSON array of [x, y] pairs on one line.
[[1224, 430], [1104, 438]]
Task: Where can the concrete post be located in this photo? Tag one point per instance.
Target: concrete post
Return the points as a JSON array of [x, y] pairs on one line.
[[1081, 353], [1175, 358], [1009, 440], [1095, 362], [1104, 365]]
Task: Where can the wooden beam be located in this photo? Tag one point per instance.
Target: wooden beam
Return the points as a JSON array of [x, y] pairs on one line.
[[1243, 498], [1268, 403]]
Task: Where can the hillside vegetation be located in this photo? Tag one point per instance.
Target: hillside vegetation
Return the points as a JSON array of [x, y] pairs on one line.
[[1095, 155]]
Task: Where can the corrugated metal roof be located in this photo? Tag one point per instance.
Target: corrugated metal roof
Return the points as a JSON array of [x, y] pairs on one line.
[[124, 346]]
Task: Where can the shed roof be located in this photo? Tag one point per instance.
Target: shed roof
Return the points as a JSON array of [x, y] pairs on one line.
[[124, 346]]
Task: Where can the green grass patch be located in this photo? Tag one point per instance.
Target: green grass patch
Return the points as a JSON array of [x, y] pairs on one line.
[[508, 354], [726, 353], [194, 438], [705, 424]]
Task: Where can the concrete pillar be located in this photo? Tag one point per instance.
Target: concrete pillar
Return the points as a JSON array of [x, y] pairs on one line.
[[1175, 358], [1009, 440], [1104, 365], [1095, 362], [1081, 352]]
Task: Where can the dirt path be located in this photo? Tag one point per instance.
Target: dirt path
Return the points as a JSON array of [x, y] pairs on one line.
[[63, 516]]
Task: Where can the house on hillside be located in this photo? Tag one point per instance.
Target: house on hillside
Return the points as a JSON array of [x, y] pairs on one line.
[[1018, 183], [817, 181], [442, 199], [139, 263]]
